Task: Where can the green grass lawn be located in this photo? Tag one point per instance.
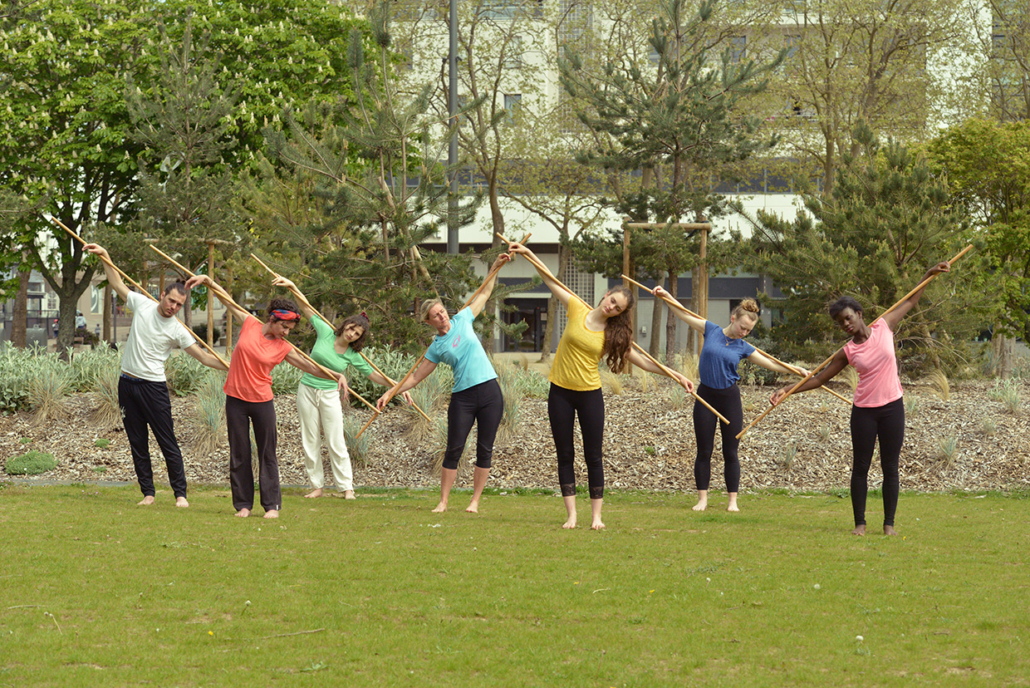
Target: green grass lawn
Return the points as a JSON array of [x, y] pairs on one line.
[[380, 592]]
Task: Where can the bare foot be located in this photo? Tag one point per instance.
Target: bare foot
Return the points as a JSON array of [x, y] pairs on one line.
[[147, 501], [181, 502], [732, 506], [473, 508], [243, 513], [314, 494], [570, 524], [701, 505], [272, 513], [889, 530], [596, 525], [859, 530], [349, 494], [440, 508]]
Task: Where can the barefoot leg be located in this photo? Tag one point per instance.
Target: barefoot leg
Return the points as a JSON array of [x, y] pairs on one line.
[[243, 513], [146, 501], [314, 494], [349, 494], [859, 530], [447, 478], [889, 530], [181, 502], [570, 508], [702, 500], [479, 478], [272, 513], [732, 506], [595, 514]]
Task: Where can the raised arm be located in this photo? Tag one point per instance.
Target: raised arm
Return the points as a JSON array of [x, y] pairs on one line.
[[206, 357], [222, 294], [549, 279], [479, 302], [113, 278], [839, 362], [694, 321], [305, 306], [894, 317]]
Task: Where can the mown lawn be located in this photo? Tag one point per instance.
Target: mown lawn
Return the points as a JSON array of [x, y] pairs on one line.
[[380, 592]]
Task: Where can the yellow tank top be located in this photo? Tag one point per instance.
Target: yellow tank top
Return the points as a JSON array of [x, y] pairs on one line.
[[579, 353]]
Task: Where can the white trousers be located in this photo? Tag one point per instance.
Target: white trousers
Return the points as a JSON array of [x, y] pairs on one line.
[[321, 411]]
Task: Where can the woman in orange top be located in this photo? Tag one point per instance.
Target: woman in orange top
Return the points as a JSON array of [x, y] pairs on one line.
[[248, 398]]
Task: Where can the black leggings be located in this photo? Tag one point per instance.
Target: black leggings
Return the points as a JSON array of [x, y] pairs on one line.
[[727, 402], [562, 407], [239, 415], [888, 423], [482, 403]]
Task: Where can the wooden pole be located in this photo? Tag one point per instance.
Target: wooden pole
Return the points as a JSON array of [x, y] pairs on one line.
[[627, 269], [825, 363], [228, 319], [702, 283], [210, 296], [138, 288], [301, 297], [797, 371]]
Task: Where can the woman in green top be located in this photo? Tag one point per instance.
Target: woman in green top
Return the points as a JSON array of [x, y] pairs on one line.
[[318, 400]]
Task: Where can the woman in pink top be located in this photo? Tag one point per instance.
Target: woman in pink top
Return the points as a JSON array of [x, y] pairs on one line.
[[878, 410], [248, 397]]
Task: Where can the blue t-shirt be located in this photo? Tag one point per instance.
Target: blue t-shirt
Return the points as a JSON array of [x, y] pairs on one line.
[[461, 349], [720, 356]]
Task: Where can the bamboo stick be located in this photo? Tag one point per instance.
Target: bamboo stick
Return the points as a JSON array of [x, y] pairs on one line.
[[542, 267], [390, 393], [825, 363], [302, 298], [140, 289], [227, 298], [797, 371]]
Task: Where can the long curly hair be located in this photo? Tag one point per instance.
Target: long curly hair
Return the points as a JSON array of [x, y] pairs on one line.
[[618, 332], [361, 321]]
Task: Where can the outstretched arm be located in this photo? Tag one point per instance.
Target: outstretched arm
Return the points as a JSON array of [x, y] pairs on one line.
[[222, 294], [113, 278], [694, 321], [894, 317], [758, 358], [650, 366], [424, 370], [549, 279], [478, 303], [839, 362], [206, 357]]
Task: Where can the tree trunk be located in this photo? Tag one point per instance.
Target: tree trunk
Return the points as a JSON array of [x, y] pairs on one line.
[[20, 315], [108, 315], [671, 321], [1002, 347], [655, 346]]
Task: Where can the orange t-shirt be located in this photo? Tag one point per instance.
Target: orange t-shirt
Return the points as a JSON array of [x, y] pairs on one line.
[[250, 370]]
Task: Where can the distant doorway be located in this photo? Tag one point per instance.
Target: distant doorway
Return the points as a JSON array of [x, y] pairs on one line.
[[533, 312]]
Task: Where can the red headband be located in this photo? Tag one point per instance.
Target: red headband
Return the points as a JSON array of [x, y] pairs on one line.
[[280, 314]]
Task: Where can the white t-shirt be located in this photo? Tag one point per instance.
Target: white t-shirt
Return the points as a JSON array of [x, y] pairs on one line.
[[150, 341]]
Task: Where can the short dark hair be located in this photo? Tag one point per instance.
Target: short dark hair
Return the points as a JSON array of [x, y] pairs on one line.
[[178, 286], [845, 302], [281, 305], [362, 322]]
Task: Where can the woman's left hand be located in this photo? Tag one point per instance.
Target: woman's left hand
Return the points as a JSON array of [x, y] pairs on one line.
[[342, 386], [686, 382], [285, 283], [407, 398], [943, 266], [501, 260]]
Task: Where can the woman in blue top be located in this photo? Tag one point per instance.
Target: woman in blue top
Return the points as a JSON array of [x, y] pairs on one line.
[[476, 396], [723, 350]]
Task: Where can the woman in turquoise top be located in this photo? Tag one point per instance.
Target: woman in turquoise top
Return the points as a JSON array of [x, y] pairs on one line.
[[476, 397], [318, 400]]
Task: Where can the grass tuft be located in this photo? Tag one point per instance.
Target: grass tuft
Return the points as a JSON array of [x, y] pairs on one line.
[[108, 413], [31, 463], [48, 395], [209, 415], [850, 376], [947, 450], [939, 383]]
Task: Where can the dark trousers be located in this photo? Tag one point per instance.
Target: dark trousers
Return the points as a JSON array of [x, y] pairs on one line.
[[146, 404], [482, 404], [888, 423], [239, 415], [727, 402], [562, 407]]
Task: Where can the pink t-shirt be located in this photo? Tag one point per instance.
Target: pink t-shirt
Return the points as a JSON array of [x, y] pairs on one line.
[[250, 369], [877, 366]]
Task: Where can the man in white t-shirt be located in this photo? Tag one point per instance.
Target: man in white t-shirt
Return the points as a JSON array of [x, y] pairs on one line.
[[142, 389]]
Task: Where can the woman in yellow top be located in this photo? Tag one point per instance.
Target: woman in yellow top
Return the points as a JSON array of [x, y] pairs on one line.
[[591, 333]]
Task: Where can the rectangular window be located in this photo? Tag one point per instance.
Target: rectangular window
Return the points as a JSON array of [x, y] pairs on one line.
[[513, 53], [738, 49], [512, 103]]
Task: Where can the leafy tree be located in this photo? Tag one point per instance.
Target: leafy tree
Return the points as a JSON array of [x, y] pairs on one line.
[[887, 219], [984, 163]]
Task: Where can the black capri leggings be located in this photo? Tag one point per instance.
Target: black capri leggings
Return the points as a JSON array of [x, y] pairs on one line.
[[482, 403], [888, 423], [727, 402], [562, 407]]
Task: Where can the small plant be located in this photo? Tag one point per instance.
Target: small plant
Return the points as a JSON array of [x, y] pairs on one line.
[[48, 392], [102, 443], [824, 432], [100, 469], [612, 382], [939, 383], [108, 413], [786, 456], [912, 405], [210, 414], [31, 463], [687, 364], [850, 376], [947, 450], [647, 382], [1007, 392], [185, 374], [677, 397], [357, 447], [285, 379], [26, 440], [507, 378], [988, 426], [431, 395], [650, 451]]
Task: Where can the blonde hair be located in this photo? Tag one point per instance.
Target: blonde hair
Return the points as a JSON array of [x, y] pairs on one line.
[[748, 307], [423, 310]]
